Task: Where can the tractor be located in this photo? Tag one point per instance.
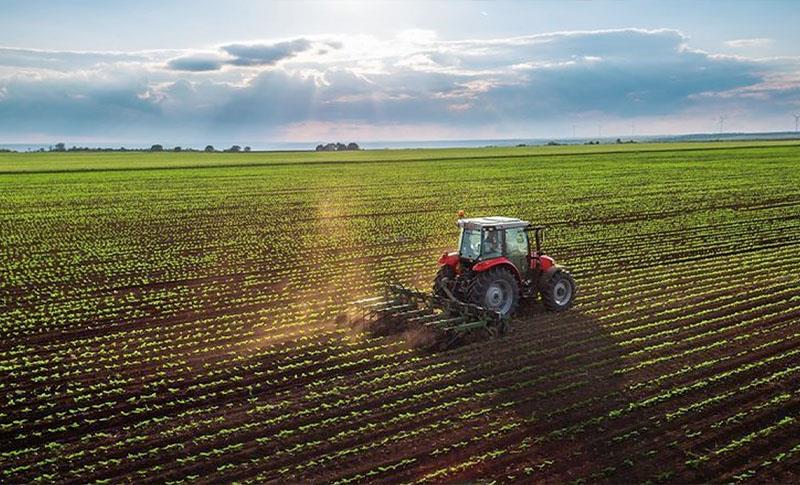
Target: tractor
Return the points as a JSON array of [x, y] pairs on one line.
[[478, 288], [496, 266]]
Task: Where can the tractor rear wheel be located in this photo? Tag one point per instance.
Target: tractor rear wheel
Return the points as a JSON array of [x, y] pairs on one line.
[[558, 293], [497, 290], [443, 276]]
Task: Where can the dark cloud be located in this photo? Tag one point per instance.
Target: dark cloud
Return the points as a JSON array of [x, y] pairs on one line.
[[264, 54], [272, 99], [246, 55], [75, 108], [195, 64], [622, 87]]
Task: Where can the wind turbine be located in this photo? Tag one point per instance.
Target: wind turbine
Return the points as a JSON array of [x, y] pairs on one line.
[[722, 123], [796, 120]]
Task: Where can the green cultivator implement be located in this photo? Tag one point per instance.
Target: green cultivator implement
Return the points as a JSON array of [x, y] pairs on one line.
[[436, 321]]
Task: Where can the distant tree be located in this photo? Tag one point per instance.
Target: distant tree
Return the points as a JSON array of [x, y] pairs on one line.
[[177, 149], [60, 147], [156, 148], [209, 148], [234, 149], [337, 147], [247, 149], [619, 141]]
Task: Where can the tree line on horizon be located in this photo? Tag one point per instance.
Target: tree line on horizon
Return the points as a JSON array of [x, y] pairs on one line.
[[61, 147], [337, 147]]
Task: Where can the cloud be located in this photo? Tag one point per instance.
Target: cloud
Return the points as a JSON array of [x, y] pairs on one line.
[[75, 106], [417, 36], [264, 54], [63, 60], [195, 63], [746, 43], [249, 55], [513, 85]]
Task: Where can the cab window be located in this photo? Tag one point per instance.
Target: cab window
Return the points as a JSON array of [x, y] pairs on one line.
[[492, 244], [470, 246], [516, 242]]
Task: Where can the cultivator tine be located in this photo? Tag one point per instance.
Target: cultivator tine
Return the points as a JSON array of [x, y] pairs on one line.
[[445, 323], [449, 319], [424, 318], [414, 313]]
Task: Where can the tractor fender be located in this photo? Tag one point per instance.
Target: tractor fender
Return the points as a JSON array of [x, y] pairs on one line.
[[546, 262], [449, 259], [546, 275], [491, 263]]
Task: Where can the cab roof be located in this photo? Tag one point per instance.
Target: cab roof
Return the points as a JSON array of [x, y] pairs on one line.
[[496, 222]]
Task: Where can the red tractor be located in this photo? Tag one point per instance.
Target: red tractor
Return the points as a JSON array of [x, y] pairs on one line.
[[496, 265], [478, 288]]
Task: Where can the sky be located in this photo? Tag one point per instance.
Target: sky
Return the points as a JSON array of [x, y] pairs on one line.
[[200, 71]]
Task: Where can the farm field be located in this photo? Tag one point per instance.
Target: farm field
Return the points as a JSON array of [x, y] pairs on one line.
[[182, 317]]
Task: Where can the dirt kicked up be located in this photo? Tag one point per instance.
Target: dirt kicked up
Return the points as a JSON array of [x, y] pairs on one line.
[[178, 318]]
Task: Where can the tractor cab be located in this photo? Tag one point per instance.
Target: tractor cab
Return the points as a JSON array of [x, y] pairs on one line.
[[486, 238]]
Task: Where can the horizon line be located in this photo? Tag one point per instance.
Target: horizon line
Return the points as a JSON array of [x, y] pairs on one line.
[[411, 140]]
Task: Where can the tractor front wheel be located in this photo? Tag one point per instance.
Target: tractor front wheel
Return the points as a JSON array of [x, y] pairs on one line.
[[558, 293], [497, 290]]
